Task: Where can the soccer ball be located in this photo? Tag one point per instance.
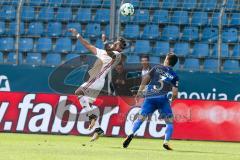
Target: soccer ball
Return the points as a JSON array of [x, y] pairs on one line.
[[127, 9]]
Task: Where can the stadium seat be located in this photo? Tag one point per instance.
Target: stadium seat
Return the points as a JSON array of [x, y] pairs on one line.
[[46, 14], [33, 58], [73, 3], [154, 59], [180, 17], [161, 48], [1, 57], [54, 29], [2, 28], [106, 3], [107, 30], [93, 30], [63, 45], [79, 48], [44, 44], [231, 5], [210, 65], [189, 4], [92, 3], [13, 28], [25, 44], [236, 51], [55, 3], [200, 50], [77, 26], [181, 49], [133, 59], [125, 19], [231, 65], [102, 16], [37, 2], [169, 4], [141, 16], [224, 53], [99, 44], [64, 14], [7, 12], [71, 56], [208, 5], [170, 33], [135, 3], [6, 44], [235, 19], [142, 46], [83, 15], [190, 34], [230, 35], [150, 32], [35, 29], [160, 16], [11, 58], [10, 2], [215, 19], [53, 59], [150, 4], [28, 13], [200, 18], [210, 34], [191, 64]]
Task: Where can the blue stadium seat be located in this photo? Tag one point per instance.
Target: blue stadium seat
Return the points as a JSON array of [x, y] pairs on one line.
[[102, 16], [93, 30], [142, 46], [160, 16], [230, 35], [191, 64], [54, 29], [77, 26], [83, 15], [200, 18], [150, 32], [92, 3], [131, 31], [55, 3], [154, 59], [99, 44], [135, 3], [10, 2], [25, 44], [141, 16], [63, 45], [64, 14], [11, 58], [170, 33], [6, 44], [125, 19], [150, 4], [211, 65], [34, 58], [231, 65], [74, 3], [181, 49], [44, 44], [210, 34], [224, 53], [53, 59], [1, 57], [71, 56], [28, 13], [190, 34], [8, 12], [235, 19], [106, 3], [215, 19], [169, 4], [13, 28], [35, 29], [231, 5], [200, 50], [46, 14], [79, 48], [180, 17], [236, 51], [189, 4], [2, 28], [133, 59], [37, 2], [209, 5], [107, 30], [161, 48]]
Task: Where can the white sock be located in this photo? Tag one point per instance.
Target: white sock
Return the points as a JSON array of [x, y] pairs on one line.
[[84, 101]]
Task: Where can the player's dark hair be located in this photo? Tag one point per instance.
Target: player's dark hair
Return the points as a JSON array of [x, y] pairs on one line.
[[172, 59], [145, 56], [122, 42]]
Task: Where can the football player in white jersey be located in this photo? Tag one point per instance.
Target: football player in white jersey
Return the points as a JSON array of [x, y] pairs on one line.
[[88, 91]]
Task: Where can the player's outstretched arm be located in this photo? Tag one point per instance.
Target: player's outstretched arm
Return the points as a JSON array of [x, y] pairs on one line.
[[174, 93], [85, 43]]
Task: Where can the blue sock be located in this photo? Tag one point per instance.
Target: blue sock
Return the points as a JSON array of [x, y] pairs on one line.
[[169, 131], [136, 125]]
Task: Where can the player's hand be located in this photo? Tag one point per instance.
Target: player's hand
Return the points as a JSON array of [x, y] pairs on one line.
[[104, 38], [74, 31]]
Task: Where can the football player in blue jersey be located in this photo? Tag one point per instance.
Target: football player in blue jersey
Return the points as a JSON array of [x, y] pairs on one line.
[[155, 86]]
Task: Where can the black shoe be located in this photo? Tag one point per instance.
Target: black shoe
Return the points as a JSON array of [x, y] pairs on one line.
[[127, 141], [167, 147]]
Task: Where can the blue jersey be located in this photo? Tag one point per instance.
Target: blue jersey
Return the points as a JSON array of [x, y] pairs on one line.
[[163, 79]]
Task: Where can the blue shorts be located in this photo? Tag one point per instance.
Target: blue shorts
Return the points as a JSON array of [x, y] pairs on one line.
[[160, 103]]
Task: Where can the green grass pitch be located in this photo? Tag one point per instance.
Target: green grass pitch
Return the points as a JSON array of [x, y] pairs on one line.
[[53, 147]]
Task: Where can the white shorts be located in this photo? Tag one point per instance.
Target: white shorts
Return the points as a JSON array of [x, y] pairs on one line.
[[92, 89]]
